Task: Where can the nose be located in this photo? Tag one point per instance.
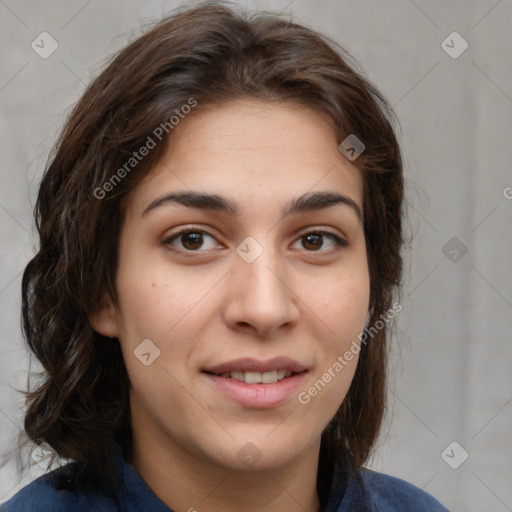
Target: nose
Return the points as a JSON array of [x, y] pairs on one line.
[[260, 297]]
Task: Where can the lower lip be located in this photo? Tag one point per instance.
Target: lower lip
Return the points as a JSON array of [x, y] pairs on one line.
[[257, 395]]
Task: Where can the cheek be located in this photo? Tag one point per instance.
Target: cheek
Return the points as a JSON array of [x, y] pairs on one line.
[[166, 305], [155, 307], [342, 305], [154, 296], [338, 351]]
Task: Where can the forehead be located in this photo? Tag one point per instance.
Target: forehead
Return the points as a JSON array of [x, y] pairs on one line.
[[252, 151]]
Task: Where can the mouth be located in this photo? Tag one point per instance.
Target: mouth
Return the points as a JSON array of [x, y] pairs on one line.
[[270, 377], [257, 384], [254, 371]]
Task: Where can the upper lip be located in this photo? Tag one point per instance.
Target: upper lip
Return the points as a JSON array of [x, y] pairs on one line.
[[254, 365]]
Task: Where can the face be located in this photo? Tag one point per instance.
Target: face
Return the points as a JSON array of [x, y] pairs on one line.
[[241, 281]]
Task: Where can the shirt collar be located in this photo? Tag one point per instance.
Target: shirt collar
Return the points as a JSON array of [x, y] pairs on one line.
[[134, 494]]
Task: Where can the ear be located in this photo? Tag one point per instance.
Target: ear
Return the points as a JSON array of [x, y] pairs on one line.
[[104, 319]]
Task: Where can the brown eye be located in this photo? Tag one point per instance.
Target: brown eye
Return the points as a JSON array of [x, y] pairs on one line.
[[314, 241], [191, 241]]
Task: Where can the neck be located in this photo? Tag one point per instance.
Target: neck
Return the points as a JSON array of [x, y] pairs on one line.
[[185, 482]]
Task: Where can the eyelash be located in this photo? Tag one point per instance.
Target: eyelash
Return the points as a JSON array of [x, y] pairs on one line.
[[340, 243]]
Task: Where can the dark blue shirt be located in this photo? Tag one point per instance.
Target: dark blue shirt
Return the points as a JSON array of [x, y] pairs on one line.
[[360, 491]]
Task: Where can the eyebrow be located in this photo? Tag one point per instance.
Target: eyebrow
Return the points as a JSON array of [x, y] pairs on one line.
[[310, 201]]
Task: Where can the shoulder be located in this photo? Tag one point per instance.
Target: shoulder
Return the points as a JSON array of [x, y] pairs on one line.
[[48, 494], [389, 493]]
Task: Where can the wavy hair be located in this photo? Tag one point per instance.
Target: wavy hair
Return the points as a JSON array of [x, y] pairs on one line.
[[215, 54]]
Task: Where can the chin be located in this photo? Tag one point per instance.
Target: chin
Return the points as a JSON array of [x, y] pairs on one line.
[[259, 451]]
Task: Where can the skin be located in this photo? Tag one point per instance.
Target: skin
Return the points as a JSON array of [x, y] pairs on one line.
[[206, 306]]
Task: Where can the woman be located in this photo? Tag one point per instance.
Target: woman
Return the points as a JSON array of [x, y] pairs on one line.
[[220, 234]]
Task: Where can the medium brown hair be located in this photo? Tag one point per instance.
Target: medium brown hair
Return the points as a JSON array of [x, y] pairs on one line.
[[214, 54]]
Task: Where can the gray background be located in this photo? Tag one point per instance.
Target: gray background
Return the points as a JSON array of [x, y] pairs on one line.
[[450, 374]]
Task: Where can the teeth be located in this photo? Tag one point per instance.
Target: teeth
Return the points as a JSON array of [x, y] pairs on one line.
[[257, 377], [252, 377], [269, 377]]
